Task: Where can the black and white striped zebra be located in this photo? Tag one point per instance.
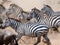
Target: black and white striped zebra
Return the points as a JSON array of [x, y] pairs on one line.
[[14, 10], [49, 11], [51, 21], [33, 30]]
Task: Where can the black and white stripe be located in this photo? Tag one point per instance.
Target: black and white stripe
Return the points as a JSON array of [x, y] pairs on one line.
[[34, 29], [51, 21]]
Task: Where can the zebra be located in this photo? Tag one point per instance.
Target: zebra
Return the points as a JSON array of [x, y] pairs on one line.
[[49, 11], [51, 21], [23, 29], [26, 16], [14, 10], [23, 16], [7, 37]]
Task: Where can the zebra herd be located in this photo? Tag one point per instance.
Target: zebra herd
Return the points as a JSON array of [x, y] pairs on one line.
[[38, 24]]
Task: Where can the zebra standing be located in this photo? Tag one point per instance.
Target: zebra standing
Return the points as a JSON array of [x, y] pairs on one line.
[[52, 21], [33, 30], [49, 11]]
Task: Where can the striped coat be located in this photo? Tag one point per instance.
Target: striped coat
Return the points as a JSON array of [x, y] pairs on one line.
[[51, 21], [33, 30]]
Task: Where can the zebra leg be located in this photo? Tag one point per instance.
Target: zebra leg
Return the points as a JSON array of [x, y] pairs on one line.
[[16, 43], [18, 37], [38, 39], [47, 39]]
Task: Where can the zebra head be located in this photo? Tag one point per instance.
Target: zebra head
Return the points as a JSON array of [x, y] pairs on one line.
[[35, 13], [47, 10], [24, 15], [14, 10]]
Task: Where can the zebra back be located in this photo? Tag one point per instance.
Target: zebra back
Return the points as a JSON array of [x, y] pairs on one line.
[[49, 11]]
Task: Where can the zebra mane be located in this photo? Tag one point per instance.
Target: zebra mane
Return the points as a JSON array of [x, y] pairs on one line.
[[36, 9], [15, 20], [24, 12], [13, 5], [48, 7]]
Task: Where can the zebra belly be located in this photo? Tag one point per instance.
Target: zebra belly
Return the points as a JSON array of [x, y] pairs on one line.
[[27, 32]]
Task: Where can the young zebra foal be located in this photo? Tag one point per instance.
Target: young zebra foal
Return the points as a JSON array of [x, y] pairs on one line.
[[33, 30]]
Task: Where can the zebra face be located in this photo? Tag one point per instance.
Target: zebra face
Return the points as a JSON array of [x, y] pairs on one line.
[[24, 15], [32, 14], [44, 10], [47, 10]]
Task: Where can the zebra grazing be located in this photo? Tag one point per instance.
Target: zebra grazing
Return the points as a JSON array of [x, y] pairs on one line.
[[7, 37], [33, 30], [14, 10], [51, 21], [49, 11]]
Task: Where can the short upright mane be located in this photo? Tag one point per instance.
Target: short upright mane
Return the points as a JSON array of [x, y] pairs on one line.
[[36, 9], [15, 19], [48, 6]]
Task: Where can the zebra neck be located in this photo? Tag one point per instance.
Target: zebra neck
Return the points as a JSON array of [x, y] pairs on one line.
[[49, 12], [15, 25]]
